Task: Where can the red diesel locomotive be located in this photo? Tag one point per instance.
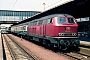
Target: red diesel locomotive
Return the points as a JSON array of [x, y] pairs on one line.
[[57, 30]]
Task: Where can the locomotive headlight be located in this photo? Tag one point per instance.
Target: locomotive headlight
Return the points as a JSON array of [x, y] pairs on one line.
[[74, 34], [61, 34]]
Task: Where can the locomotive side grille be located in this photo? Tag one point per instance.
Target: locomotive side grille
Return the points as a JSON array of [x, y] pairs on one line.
[[67, 34]]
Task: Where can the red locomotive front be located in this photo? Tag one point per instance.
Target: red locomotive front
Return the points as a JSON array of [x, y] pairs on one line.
[[65, 27]]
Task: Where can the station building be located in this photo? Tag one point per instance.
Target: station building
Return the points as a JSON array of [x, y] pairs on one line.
[[83, 24], [10, 16]]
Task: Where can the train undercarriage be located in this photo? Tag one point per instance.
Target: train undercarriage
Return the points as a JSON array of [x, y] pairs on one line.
[[62, 43]]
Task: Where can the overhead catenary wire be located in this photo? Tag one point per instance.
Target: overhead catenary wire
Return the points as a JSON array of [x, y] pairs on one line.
[[14, 4], [38, 5], [44, 3]]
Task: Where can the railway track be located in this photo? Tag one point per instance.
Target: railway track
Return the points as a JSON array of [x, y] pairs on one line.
[[77, 56], [83, 54], [17, 52]]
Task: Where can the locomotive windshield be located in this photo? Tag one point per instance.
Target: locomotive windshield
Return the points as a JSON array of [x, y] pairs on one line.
[[61, 20], [71, 20]]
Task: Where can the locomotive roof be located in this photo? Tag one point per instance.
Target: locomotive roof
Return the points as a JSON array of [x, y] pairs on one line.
[[56, 15], [50, 16]]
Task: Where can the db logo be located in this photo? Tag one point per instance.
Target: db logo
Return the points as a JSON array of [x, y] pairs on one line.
[[67, 29]]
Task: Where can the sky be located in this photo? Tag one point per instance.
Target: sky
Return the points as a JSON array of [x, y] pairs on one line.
[[29, 5]]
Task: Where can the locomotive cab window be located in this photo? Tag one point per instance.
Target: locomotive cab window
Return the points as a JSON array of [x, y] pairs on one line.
[[61, 20], [71, 20]]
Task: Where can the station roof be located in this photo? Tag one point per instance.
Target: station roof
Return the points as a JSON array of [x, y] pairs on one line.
[[84, 23], [76, 8]]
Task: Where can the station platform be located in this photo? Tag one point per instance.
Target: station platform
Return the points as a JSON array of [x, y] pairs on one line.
[[84, 38], [1, 50]]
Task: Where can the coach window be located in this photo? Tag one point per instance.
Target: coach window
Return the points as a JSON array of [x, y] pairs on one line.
[[49, 21], [35, 22], [32, 23], [44, 22], [40, 22], [29, 24]]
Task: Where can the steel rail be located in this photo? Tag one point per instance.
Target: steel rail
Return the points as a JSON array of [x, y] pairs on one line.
[[9, 47], [77, 55], [20, 48]]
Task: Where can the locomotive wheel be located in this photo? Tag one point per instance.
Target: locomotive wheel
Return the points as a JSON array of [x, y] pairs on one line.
[[45, 43], [75, 47], [48, 43], [63, 45], [27, 37]]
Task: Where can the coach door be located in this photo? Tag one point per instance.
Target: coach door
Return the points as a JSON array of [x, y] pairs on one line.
[[44, 27]]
